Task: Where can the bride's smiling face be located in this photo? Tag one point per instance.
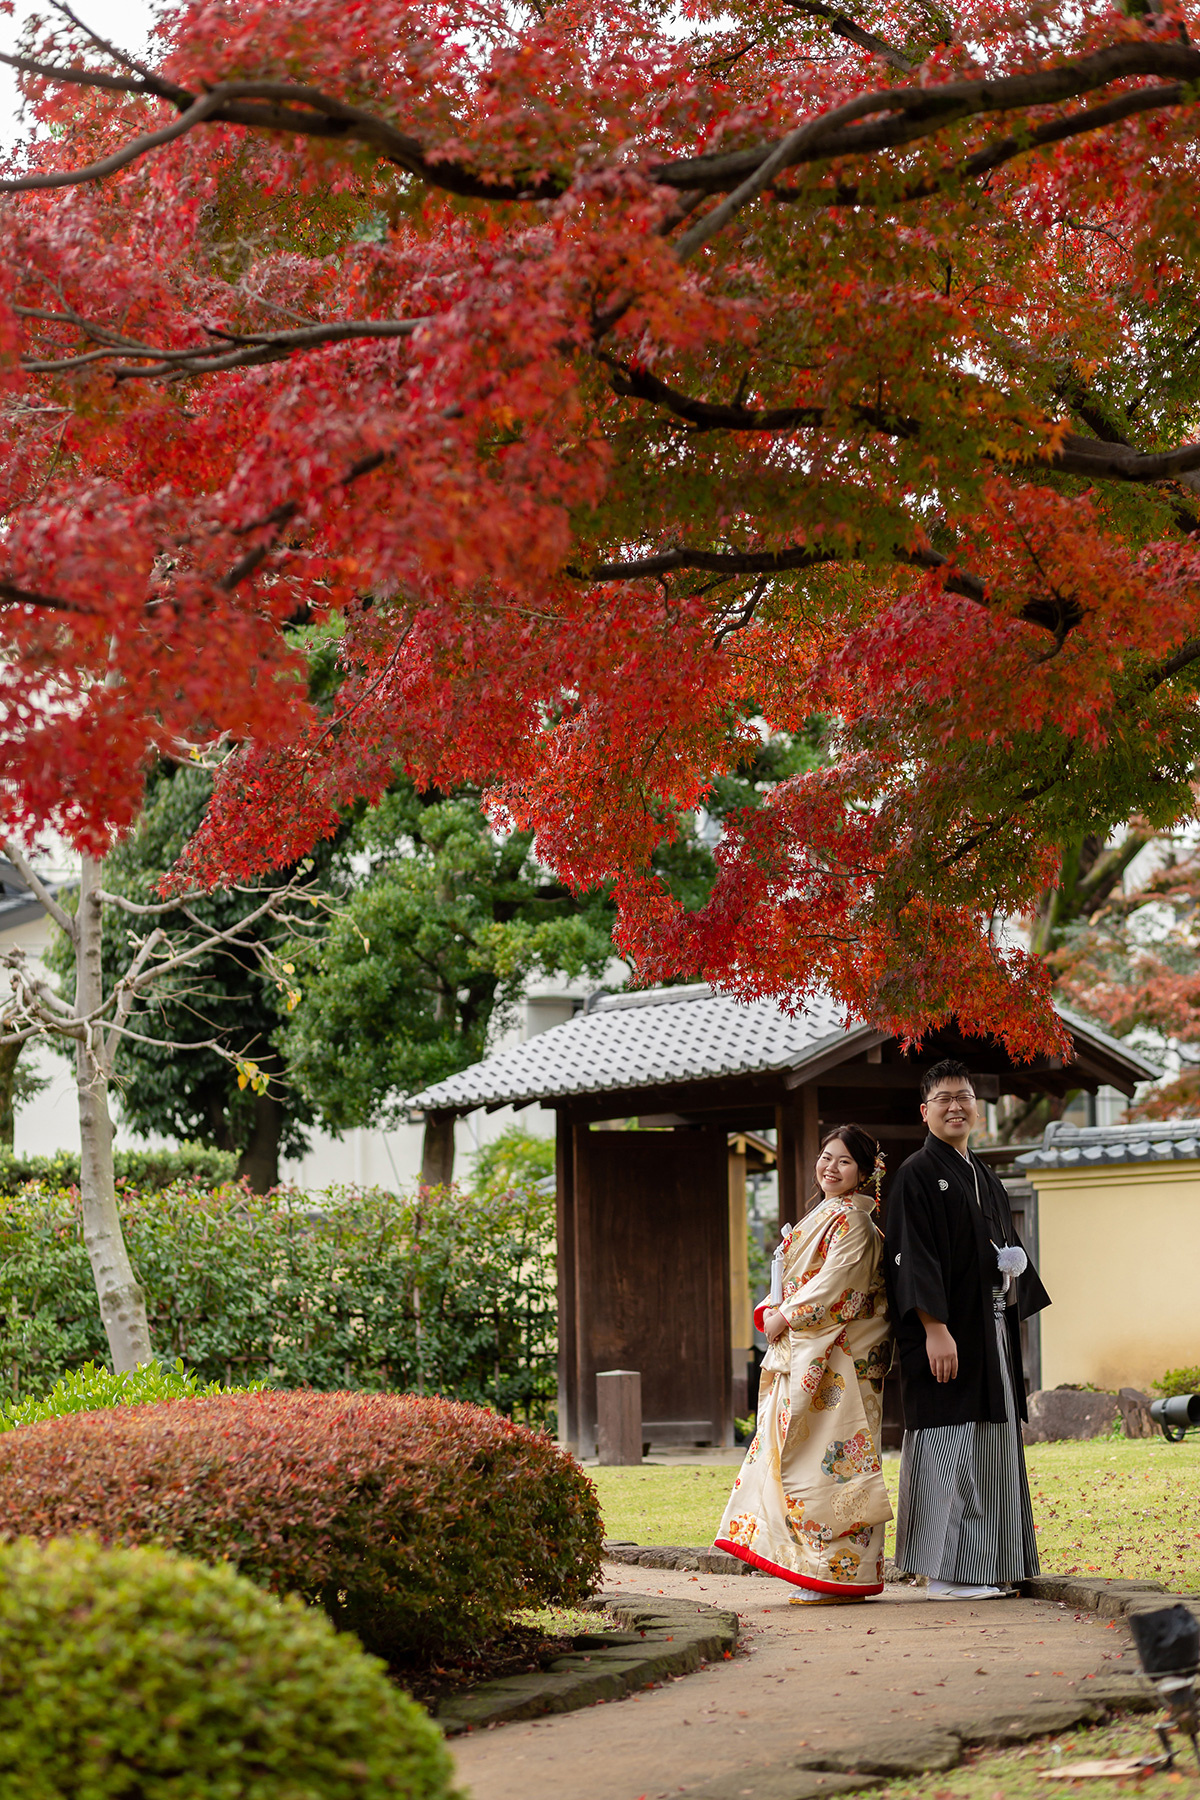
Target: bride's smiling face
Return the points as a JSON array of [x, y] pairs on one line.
[[837, 1171]]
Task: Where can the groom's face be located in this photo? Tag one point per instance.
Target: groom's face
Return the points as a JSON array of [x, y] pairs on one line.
[[951, 1111]]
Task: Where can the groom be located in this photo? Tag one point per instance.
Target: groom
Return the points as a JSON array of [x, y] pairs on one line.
[[959, 1283]]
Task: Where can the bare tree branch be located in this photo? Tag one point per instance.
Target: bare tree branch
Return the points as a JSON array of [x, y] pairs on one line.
[[33, 881]]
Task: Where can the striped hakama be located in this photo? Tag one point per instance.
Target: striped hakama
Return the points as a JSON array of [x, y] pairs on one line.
[[964, 1513]]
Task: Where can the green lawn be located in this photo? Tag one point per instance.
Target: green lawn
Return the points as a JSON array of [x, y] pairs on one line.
[[1108, 1507], [1014, 1774]]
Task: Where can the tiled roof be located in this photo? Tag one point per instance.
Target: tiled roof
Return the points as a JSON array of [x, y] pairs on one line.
[[670, 1035], [637, 1040], [1094, 1146]]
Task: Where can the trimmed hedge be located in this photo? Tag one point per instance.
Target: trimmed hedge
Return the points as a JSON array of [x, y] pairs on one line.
[[137, 1675], [303, 1292], [416, 1523], [196, 1163]]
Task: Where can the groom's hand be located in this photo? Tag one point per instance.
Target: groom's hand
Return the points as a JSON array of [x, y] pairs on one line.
[[941, 1350]]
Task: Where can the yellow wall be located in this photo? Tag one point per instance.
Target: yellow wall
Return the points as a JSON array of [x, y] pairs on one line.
[[1120, 1256]]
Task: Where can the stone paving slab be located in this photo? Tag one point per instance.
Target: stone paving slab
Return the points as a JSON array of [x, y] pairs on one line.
[[662, 1641], [824, 1699]]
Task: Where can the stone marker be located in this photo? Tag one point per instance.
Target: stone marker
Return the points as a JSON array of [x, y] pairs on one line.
[[619, 1416]]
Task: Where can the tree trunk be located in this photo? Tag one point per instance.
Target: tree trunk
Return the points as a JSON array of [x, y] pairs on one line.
[[259, 1161], [122, 1302], [10, 1055], [437, 1154]]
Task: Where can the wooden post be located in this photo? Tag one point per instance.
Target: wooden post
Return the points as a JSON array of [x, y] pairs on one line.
[[619, 1417], [568, 1299], [810, 1143], [798, 1144], [741, 1323]]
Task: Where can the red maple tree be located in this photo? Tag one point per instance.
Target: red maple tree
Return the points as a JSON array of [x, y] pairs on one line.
[[618, 381], [1134, 965]]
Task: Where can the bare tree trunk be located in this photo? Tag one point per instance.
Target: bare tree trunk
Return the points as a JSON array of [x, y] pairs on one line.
[[259, 1161], [9, 1057], [122, 1302], [437, 1151]]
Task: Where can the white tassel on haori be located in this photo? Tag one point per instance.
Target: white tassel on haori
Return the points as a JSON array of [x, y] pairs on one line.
[[1011, 1261]]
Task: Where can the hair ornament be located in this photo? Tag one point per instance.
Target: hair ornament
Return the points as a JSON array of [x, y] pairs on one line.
[[878, 1171]]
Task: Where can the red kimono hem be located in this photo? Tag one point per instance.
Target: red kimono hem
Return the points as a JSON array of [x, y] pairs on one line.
[[846, 1589]]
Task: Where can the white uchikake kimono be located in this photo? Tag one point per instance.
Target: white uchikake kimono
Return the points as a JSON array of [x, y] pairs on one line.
[[810, 1503]]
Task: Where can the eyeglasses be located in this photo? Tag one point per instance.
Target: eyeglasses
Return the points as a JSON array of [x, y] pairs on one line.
[[961, 1099]]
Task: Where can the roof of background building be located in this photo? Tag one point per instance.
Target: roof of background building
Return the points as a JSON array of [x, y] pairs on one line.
[[667, 1035], [1092, 1146]]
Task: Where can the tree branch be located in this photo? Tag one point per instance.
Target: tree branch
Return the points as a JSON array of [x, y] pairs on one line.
[[246, 351], [307, 112], [844, 27], [772, 562], [1111, 460], [33, 881]]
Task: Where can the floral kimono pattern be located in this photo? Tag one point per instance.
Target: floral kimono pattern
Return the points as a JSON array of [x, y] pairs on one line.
[[809, 1503]]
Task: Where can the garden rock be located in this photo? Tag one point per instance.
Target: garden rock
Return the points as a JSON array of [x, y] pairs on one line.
[[1056, 1413], [1135, 1411]]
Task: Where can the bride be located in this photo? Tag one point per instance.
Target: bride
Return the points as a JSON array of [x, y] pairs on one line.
[[809, 1503]]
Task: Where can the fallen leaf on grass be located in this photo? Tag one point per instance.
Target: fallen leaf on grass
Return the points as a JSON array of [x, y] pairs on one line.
[[1106, 1766]]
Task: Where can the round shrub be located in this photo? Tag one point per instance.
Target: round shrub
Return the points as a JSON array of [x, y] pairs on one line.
[[138, 1674], [419, 1524]]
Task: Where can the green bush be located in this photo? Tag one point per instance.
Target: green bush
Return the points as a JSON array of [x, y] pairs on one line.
[[139, 1675], [94, 1387], [415, 1523], [1178, 1381], [196, 1163], [442, 1293]]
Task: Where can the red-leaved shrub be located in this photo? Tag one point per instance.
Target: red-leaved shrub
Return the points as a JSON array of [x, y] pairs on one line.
[[415, 1523]]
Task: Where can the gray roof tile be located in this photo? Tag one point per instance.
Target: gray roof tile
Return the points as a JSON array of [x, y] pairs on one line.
[[634, 1040], [667, 1035], [1091, 1146]]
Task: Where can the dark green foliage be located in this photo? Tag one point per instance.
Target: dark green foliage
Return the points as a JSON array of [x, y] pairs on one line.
[[435, 941], [415, 1523], [196, 1164], [135, 1673], [451, 1295]]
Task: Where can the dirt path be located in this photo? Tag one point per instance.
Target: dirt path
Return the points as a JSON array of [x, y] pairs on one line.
[[818, 1679]]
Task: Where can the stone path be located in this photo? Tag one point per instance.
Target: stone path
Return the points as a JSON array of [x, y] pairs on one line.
[[826, 1684]]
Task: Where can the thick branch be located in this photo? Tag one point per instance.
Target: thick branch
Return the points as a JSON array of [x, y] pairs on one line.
[[1089, 457], [772, 562], [305, 111], [926, 110], [33, 881], [845, 28]]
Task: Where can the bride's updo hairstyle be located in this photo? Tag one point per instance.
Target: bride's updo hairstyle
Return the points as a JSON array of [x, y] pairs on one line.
[[865, 1151]]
